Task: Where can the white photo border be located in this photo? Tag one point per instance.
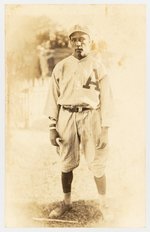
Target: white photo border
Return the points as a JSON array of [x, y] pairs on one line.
[[2, 116]]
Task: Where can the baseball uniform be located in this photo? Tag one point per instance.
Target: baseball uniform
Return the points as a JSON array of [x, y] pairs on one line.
[[79, 103]]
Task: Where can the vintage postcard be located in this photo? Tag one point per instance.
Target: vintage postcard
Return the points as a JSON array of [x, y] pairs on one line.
[[75, 100]]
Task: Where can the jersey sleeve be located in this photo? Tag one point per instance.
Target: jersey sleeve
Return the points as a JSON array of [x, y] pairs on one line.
[[106, 100], [51, 107]]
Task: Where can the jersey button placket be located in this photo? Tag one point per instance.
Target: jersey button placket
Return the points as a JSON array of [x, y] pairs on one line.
[[77, 83]]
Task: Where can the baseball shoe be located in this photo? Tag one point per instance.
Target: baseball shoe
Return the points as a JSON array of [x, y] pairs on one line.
[[104, 203], [60, 210], [107, 215]]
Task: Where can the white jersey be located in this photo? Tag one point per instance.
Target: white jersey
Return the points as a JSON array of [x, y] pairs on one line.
[[80, 82]]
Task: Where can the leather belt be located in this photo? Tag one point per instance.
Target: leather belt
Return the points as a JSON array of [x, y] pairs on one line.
[[76, 109]]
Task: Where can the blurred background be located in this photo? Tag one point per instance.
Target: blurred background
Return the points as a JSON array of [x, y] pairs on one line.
[[35, 40]]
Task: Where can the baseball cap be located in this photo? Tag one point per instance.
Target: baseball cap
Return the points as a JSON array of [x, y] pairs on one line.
[[80, 28]]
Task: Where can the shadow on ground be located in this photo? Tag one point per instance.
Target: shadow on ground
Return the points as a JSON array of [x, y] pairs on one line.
[[84, 213]]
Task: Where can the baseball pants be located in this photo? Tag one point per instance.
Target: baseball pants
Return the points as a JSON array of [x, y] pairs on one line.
[[80, 133]]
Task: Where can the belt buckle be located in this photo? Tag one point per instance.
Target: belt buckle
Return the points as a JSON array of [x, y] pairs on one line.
[[80, 109], [71, 108]]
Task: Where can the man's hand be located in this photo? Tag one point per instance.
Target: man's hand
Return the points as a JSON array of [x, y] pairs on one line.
[[54, 137], [102, 143]]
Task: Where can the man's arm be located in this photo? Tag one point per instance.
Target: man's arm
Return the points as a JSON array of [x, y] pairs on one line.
[[106, 103], [52, 107], [106, 110]]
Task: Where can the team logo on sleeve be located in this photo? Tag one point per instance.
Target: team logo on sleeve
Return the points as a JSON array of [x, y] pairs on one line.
[[91, 82]]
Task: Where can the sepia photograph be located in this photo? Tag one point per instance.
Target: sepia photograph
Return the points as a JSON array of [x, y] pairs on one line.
[[75, 116]]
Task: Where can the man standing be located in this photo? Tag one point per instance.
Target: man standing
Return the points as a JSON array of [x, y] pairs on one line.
[[78, 106]]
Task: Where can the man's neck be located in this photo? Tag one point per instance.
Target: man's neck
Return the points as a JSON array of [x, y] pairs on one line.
[[79, 56]]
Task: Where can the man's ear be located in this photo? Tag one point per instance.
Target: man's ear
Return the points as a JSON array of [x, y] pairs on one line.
[[93, 45]]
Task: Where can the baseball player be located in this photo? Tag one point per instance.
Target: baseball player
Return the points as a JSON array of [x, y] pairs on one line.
[[78, 106]]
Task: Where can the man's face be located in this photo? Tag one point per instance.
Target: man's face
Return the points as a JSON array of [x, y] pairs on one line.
[[80, 43]]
